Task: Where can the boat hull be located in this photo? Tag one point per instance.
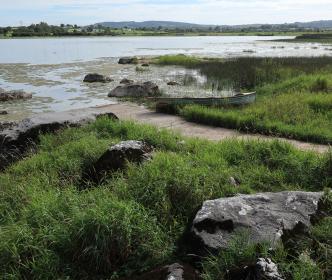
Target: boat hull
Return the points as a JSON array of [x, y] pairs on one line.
[[240, 99]]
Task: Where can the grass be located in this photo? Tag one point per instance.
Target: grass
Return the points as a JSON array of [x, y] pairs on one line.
[[132, 222], [294, 96]]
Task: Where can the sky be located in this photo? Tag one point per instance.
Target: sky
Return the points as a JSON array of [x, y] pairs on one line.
[[219, 12]]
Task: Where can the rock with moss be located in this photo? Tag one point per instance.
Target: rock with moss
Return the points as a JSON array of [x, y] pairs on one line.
[[97, 78], [265, 217], [13, 95], [147, 89]]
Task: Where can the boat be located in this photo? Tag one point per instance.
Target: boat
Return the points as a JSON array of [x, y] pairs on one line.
[[238, 99]]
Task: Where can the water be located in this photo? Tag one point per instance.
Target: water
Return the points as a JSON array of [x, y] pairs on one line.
[[53, 69]]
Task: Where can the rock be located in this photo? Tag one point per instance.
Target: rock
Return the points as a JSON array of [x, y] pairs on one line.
[[3, 112], [17, 138], [117, 157], [128, 60], [267, 270], [234, 182], [146, 89], [126, 81], [97, 78], [145, 65], [265, 216], [14, 95], [173, 83], [170, 272]]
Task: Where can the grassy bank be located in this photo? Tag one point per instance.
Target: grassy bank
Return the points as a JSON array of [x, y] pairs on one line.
[[323, 38], [50, 228], [294, 95]]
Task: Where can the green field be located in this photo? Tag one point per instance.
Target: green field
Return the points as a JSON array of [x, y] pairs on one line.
[[294, 95], [52, 228]]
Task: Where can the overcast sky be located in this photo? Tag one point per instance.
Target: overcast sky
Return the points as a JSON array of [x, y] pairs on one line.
[[83, 12]]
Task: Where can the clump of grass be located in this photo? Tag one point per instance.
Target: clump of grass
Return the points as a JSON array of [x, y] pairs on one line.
[[320, 85], [141, 69], [179, 59]]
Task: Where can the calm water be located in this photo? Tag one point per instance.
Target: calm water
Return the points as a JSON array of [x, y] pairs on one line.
[[53, 69]]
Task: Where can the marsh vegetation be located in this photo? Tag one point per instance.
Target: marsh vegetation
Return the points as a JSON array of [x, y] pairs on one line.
[[293, 95]]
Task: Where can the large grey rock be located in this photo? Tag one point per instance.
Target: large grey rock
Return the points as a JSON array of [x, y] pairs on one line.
[[97, 78], [267, 270], [13, 95], [17, 138], [266, 217], [170, 272], [147, 89], [117, 157], [128, 60]]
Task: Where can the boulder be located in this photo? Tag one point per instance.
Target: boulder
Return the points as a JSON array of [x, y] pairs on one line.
[[265, 217], [128, 60], [170, 272], [97, 78], [126, 81], [267, 270], [147, 89], [4, 112], [14, 95], [173, 83], [145, 65], [17, 138], [117, 157]]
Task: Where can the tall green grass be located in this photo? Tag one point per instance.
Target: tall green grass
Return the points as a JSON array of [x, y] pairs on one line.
[[50, 229]]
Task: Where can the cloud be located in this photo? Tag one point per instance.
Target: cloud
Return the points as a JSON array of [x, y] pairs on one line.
[[200, 11]]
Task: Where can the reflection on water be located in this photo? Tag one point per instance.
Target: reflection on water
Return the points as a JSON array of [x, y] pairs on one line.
[[53, 69]]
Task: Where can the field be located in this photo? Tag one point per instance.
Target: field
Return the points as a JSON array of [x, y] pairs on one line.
[[294, 95], [53, 228]]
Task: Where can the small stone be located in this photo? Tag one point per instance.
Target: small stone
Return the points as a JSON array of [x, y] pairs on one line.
[[268, 270], [126, 81], [234, 182]]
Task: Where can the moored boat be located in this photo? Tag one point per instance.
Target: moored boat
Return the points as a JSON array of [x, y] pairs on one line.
[[238, 99]]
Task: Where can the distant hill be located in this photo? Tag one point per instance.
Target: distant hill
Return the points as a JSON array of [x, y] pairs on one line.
[[323, 24], [315, 24], [151, 24]]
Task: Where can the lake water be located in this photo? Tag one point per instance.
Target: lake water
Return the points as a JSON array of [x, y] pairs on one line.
[[53, 69]]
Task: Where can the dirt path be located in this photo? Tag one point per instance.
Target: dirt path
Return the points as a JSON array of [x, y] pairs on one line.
[[130, 111]]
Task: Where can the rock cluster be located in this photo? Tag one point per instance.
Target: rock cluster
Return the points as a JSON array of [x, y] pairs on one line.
[[13, 95], [147, 89], [97, 78]]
